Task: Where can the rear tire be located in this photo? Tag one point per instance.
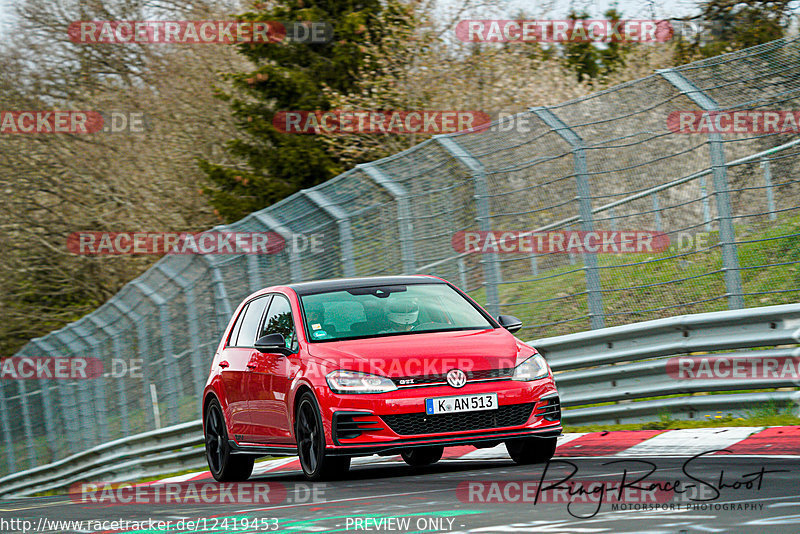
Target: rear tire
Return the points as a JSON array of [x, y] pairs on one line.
[[224, 466], [527, 451], [310, 434], [422, 456]]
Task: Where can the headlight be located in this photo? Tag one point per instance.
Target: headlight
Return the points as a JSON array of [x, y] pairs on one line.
[[354, 382], [533, 368]]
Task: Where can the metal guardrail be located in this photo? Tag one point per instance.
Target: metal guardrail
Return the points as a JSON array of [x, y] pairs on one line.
[[618, 364], [626, 363], [147, 454], [647, 410], [682, 334]]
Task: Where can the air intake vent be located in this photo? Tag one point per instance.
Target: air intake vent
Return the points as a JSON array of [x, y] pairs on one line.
[[350, 425], [549, 408]]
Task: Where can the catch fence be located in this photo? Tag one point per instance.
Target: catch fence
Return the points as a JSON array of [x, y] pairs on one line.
[[608, 162]]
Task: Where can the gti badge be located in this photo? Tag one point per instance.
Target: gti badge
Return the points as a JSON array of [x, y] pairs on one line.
[[456, 378]]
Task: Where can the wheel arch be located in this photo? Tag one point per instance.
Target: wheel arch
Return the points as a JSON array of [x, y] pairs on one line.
[[298, 394], [209, 396]]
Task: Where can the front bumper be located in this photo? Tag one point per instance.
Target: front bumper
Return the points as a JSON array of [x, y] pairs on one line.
[[388, 422]]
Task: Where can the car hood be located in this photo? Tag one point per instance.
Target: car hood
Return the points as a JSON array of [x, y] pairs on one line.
[[422, 354]]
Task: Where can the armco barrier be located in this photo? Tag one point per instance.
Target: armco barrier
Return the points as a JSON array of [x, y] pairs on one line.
[[169, 449], [627, 363], [618, 364]]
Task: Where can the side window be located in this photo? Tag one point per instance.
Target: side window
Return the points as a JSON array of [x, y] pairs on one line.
[[279, 320], [252, 318], [237, 326]]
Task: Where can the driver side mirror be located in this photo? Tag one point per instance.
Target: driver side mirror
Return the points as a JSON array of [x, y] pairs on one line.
[[272, 343], [509, 322]]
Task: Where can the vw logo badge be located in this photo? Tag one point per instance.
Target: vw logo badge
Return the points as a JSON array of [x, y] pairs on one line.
[[456, 378]]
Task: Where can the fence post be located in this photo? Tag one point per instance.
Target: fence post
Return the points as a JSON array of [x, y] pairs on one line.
[[88, 429], [122, 394], [222, 306], [253, 272], [142, 347], [706, 205], [342, 219], [191, 323], [768, 186], [174, 387], [727, 237], [49, 421], [98, 383], [404, 224], [657, 212], [594, 292], [33, 457], [295, 268], [491, 268], [69, 405], [6, 426], [534, 264]]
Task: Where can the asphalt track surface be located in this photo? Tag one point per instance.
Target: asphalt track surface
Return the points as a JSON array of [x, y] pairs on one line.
[[435, 499]]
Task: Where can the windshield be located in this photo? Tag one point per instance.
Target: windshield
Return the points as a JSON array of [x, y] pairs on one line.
[[388, 310]]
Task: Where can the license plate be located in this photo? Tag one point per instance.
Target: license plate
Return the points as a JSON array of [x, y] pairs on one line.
[[461, 403]]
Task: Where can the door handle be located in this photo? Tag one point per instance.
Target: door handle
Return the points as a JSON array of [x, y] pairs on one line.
[[251, 365], [223, 364]]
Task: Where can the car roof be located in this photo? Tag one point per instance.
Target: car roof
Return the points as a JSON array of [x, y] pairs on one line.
[[323, 286]]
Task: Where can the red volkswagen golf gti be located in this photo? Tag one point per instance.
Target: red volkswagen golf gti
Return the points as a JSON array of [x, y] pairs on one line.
[[405, 365]]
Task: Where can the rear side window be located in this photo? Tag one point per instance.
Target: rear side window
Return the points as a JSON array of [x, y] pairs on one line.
[[237, 326], [252, 318]]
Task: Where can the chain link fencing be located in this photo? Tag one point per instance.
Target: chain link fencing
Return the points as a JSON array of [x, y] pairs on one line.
[[607, 162]]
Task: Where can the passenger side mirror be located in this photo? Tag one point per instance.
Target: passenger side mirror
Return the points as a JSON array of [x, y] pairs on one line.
[[509, 322], [272, 343]]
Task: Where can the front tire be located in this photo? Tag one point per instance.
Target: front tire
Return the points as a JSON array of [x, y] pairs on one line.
[[531, 450], [224, 466], [310, 434], [422, 456]]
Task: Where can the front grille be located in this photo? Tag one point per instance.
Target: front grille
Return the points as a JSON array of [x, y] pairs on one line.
[[485, 374], [409, 424], [549, 408]]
